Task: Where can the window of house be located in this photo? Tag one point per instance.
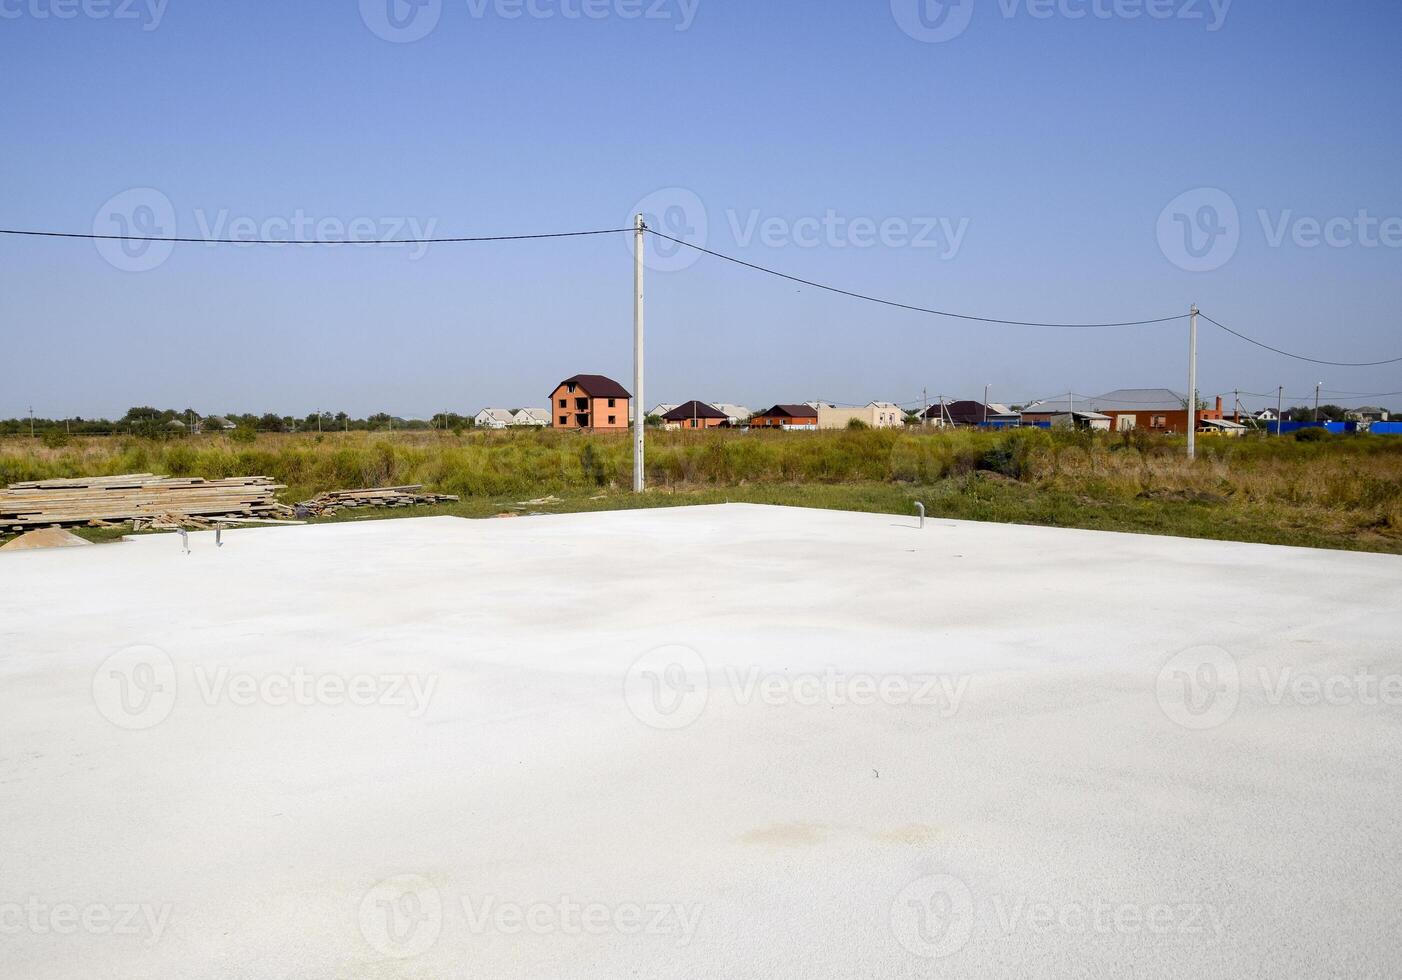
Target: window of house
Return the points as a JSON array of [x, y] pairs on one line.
[[612, 419], [570, 389], [1158, 422], [611, 404], [562, 403], [564, 420]]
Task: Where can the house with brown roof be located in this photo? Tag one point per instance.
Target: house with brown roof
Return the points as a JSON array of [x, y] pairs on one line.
[[589, 401], [971, 413], [695, 415], [786, 417]]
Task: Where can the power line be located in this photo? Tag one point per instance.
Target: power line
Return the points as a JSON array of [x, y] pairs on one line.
[[720, 255], [907, 306], [1300, 357], [1334, 395], [294, 241]]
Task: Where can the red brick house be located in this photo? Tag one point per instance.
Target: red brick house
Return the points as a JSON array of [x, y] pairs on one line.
[[786, 417], [1154, 409], [589, 401]]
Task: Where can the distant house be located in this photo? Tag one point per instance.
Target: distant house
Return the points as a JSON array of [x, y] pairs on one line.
[[660, 409], [215, 423], [737, 414], [531, 416], [493, 418], [965, 412], [874, 415], [787, 417], [695, 415], [589, 401], [1369, 413], [1155, 409]]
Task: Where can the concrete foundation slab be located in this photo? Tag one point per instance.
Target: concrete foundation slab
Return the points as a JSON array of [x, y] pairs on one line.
[[716, 741]]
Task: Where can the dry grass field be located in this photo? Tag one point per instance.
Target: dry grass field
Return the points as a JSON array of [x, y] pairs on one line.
[[1335, 492]]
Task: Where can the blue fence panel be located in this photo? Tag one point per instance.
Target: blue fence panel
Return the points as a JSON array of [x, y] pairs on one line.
[[1338, 428], [1386, 428]]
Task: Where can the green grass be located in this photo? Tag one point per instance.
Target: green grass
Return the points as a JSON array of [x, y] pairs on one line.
[[1341, 492]]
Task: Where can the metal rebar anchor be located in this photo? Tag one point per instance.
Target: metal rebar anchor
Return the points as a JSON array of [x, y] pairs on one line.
[[921, 507], [184, 540]]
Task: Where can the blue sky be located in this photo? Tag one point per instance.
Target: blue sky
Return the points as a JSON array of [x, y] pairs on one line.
[[1023, 167]]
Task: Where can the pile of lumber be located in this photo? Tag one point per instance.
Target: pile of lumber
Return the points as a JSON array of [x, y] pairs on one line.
[[334, 500], [144, 498]]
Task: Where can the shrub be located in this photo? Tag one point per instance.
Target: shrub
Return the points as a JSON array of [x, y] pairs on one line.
[[244, 434], [54, 438], [1312, 435], [1000, 459]]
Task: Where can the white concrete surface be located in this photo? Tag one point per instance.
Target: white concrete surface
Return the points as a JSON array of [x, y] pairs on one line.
[[417, 749]]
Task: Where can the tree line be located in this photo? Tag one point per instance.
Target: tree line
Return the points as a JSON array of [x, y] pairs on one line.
[[144, 421]]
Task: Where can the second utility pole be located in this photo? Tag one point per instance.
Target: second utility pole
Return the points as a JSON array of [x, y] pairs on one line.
[[639, 227], [1193, 383]]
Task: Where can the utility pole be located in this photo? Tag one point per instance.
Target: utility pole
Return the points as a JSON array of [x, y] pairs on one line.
[[985, 403], [925, 407], [1279, 409], [1193, 382], [639, 423], [1316, 400], [31, 421]]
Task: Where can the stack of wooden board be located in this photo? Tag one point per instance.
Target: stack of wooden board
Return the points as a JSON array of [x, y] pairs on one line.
[[334, 500], [136, 497]]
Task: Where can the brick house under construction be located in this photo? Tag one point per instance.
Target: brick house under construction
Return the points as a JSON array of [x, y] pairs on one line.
[[589, 401]]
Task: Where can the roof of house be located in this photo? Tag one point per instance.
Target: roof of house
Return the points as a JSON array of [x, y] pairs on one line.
[[598, 386], [694, 410], [497, 414], [733, 411], [662, 408], [539, 414], [1141, 400], [1227, 424], [1119, 400], [793, 411], [967, 410], [1079, 414]]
